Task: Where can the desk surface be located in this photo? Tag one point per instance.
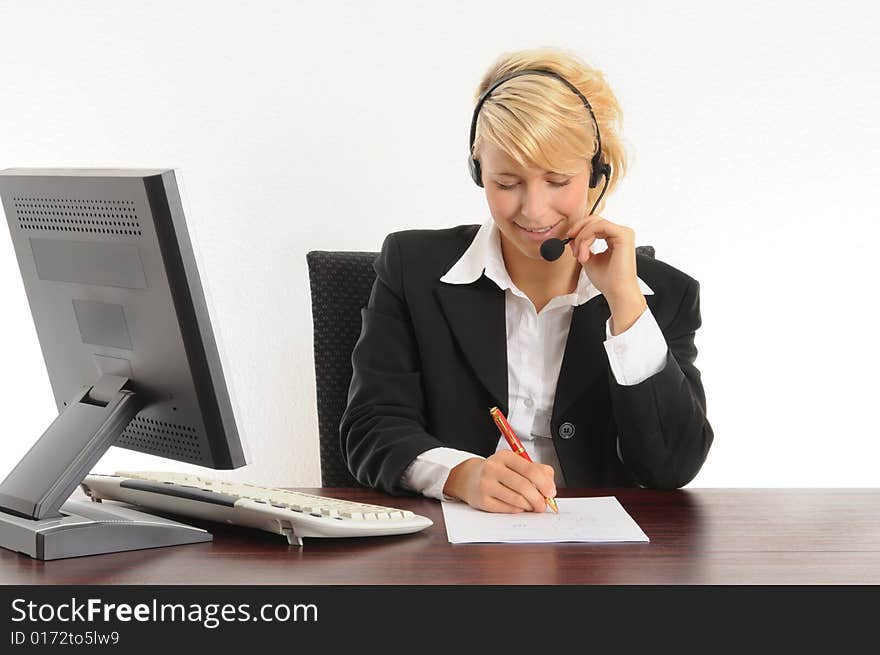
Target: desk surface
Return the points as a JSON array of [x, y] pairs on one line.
[[698, 536]]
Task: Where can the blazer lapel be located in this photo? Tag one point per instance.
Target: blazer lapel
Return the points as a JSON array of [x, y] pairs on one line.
[[476, 316], [585, 359]]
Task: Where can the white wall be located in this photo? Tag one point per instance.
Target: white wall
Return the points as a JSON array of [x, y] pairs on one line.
[[300, 125]]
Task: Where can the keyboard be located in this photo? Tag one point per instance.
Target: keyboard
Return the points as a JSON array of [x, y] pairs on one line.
[[290, 513]]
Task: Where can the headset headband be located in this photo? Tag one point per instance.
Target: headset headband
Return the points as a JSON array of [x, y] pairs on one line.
[[597, 167]]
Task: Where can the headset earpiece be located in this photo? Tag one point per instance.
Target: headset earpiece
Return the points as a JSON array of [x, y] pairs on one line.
[[598, 170], [476, 171]]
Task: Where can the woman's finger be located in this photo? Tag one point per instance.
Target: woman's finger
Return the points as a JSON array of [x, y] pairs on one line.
[[584, 253], [524, 488], [579, 224], [507, 496], [500, 507]]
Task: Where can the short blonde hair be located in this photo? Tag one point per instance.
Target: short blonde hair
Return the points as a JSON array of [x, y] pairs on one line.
[[539, 122]]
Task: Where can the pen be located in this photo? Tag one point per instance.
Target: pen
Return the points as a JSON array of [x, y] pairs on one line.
[[515, 444]]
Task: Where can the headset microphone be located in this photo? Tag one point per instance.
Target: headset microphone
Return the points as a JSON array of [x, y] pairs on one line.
[[552, 249]]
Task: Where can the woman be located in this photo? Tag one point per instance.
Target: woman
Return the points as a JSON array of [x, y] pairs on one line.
[[590, 356]]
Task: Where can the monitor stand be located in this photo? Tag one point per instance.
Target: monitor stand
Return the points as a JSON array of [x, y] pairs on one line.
[[34, 517]]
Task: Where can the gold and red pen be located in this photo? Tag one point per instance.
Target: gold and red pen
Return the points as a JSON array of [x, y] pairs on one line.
[[515, 445]]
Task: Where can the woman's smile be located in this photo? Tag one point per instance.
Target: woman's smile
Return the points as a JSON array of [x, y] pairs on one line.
[[538, 233]]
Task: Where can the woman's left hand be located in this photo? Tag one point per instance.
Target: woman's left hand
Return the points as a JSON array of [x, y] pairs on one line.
[[613, 271]]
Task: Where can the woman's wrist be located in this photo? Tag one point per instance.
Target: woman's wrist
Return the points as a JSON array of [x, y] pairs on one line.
[[625, 310]]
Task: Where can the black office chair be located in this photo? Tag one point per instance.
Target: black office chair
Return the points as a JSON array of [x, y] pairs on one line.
[[340, 284]]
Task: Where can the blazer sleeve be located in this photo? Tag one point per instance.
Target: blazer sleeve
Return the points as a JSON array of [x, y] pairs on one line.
[[663, 432], [383, 427]]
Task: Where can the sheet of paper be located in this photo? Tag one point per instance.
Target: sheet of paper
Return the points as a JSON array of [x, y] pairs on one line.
[[600, 519]]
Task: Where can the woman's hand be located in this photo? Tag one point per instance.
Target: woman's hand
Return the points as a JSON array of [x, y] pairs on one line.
[[503, 482], [613, 271]]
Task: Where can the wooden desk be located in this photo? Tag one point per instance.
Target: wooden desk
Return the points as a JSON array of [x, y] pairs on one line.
[[699, 536]]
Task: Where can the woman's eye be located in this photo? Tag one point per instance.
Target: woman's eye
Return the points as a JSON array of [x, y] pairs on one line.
[[508, 187]]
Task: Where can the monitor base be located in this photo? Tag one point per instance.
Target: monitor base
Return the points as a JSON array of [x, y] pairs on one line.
[[89, 528]]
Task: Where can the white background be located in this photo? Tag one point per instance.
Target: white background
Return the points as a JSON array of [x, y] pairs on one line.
[[753, 135]]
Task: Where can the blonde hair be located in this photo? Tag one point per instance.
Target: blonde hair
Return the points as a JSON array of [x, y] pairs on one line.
[[539, 122]]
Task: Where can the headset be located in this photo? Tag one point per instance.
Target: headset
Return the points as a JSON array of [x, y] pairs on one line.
[[598, 168]]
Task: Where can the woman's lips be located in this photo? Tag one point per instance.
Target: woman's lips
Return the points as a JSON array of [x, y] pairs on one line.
[[539, 236]]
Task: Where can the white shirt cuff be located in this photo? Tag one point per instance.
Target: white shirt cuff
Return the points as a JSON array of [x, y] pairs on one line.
[[429, 471], [637, 353]]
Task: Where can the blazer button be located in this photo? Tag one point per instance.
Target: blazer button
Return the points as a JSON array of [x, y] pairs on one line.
[[566, 430]]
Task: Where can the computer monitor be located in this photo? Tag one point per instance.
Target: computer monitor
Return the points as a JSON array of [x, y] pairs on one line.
[[123, 325]]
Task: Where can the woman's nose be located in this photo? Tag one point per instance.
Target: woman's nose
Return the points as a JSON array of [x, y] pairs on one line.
[[534, 203]]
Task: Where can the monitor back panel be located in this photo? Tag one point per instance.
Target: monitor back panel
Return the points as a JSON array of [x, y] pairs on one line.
[[112, 283]]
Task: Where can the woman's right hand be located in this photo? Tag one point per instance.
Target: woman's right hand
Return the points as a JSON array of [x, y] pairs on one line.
[[503, 482]]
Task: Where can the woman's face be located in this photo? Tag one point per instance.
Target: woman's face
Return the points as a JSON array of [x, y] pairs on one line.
[[525, 202]]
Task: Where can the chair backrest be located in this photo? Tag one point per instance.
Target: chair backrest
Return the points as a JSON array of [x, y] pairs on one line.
[[340, 284]]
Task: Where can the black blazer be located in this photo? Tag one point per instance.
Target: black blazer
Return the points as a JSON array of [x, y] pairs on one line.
[[432, 359]]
